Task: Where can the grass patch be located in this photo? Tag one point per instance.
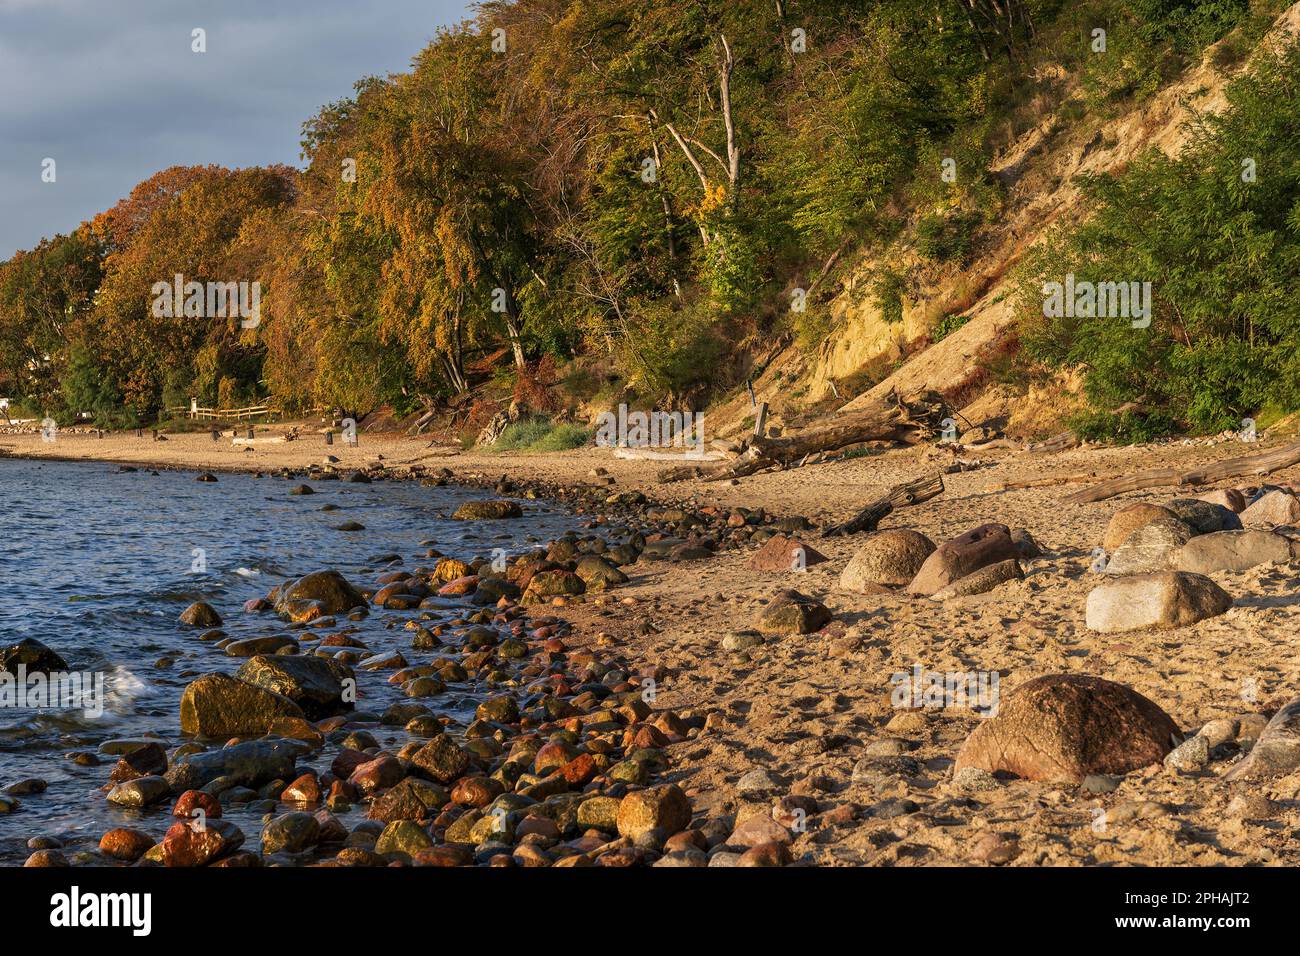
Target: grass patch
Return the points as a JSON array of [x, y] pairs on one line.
[[540, 434]]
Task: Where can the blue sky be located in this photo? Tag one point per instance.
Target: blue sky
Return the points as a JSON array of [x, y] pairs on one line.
[[112, 92]]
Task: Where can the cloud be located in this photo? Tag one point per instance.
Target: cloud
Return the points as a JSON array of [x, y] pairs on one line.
[[113, 92]]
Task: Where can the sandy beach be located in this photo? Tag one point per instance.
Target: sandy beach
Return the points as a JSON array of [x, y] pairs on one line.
[[855, 778]]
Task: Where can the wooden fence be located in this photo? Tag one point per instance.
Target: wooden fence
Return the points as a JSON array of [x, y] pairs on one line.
[[194, 411]]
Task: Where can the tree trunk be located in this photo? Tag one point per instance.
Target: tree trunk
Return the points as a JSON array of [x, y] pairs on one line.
[[1248, 465], [909, 493], [908, 421]]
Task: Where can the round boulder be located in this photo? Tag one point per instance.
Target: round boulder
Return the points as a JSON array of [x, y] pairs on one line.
[[328, 590], [1128, 519], [888, 558], [201, 614], [1063, 727]]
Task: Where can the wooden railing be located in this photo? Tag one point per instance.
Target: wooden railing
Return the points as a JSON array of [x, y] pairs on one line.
[[225, 414]]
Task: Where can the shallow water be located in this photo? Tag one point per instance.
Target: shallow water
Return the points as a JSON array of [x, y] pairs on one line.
[[98, 565]]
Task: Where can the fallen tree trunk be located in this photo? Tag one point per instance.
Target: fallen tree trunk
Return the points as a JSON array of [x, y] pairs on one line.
[[1041, 482], [1261, 464], [911, 493], [1061, 442], [909, 421], [654, 454]]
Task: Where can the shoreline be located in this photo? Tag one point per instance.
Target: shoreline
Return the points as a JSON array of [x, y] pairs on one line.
[[806, 722]]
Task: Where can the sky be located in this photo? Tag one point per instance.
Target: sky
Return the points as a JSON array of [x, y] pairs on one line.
[[112, 91]]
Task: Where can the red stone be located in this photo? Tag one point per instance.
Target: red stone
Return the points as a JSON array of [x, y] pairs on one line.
[[305, 789], [377, 774], [190, 843], [192, 800], [123, 843]]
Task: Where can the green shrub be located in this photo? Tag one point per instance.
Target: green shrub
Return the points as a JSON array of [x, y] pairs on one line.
[[1126, 428], [562, 438], [948, 325], [521, 434], [887, 293], [947, 237], [1221, 249], [540, 434]]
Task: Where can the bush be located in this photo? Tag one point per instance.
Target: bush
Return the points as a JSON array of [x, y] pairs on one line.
[[887, 293], [539, 434], [671, 348], [562, 438], [947, 237], [1218, 238], [948, 325], [1126, 428]]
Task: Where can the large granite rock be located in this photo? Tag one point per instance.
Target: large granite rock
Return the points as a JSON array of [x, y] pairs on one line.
[[1063, 727], [1163, 599], [218, 705], [319, 685]]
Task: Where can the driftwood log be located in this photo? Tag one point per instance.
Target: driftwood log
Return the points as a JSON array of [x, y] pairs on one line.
[[1061, 442], [909, 421], [911, 493], [915, 419], [1043, 482], [1261, 464]]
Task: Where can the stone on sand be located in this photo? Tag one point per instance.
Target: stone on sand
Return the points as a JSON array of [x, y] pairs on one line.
[[1150, 547], [1230, 498], [1272, 508], [1232, 551], [981, 581], [1162, 599], [793, 613], [1062, 727], [1205, 517], [891, 557], [1277, 751], [780, 554], [1128, 519], [664, 808], [963, 555]]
